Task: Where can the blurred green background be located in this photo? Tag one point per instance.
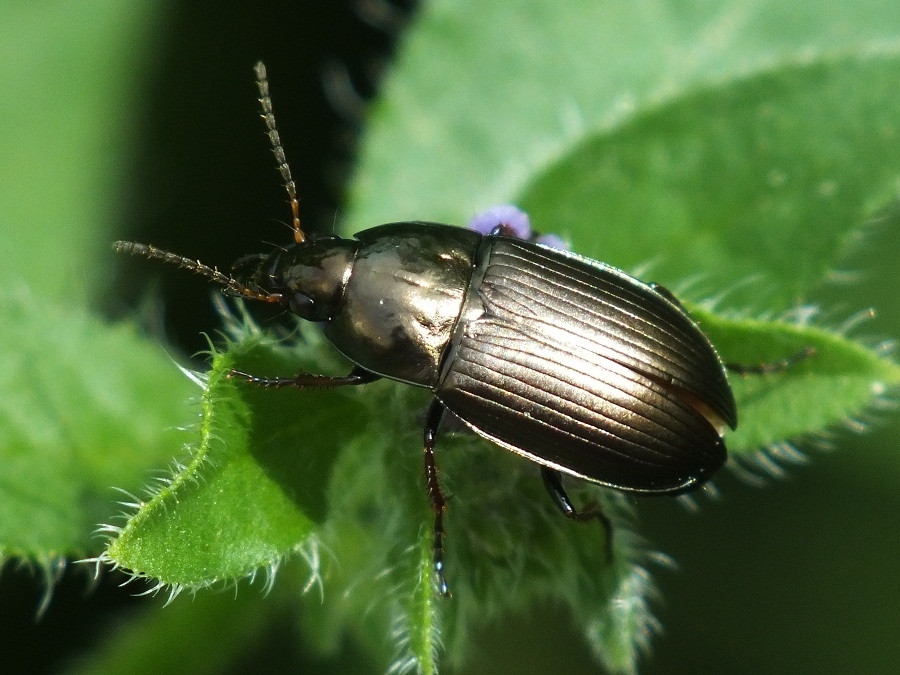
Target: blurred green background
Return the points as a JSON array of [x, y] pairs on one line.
[[139, 120]]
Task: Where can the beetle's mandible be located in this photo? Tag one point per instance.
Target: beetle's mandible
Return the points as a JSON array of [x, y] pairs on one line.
[[566, 361]]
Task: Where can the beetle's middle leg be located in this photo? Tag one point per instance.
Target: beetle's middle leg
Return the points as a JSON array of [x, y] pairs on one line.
[[438, 502], [309, 380], [553, 483]]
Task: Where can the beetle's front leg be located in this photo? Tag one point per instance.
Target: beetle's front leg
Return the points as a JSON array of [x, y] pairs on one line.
[[309, 380], [438, 503], [553, 483]]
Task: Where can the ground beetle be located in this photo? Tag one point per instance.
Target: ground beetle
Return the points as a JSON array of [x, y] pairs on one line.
[[569, 362]]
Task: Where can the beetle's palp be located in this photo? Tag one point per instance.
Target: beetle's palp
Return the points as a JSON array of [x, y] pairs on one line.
[[265, 100], [231, 285]]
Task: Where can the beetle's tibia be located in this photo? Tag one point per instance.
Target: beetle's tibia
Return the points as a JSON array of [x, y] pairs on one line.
[[308, 380], [553, 483], [438, 502]]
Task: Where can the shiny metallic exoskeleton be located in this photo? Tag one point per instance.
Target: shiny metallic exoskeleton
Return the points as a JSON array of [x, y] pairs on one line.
[[569, 362], [561, 359]]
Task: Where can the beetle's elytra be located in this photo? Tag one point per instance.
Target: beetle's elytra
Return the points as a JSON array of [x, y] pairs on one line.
[[561, 359]]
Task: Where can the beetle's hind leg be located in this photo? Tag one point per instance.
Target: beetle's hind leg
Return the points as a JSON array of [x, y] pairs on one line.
[[309, 380], [770, 367], [438, 502], [553, 483]]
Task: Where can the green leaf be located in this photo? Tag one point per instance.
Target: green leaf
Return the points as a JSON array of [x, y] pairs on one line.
[[486, 95], [74, 423], [754, 189], [833, 386], [254, 484], [74, 401], [735, 152]]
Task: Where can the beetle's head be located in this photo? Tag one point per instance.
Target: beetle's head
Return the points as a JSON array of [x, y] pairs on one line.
[[307, 278]]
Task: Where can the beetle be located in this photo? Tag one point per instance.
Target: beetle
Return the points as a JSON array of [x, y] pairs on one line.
[[566, 361]]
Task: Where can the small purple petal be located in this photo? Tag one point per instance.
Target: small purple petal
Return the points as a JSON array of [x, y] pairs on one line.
[[553, 241], [504, 219]]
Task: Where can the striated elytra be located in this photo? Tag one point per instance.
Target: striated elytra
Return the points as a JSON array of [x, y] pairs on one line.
[[564, 360]]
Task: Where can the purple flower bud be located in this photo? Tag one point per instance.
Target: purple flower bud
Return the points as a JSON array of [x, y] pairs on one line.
[[504, 219]]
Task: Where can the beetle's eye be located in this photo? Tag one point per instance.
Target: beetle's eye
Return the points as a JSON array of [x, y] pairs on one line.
[[302, 305]]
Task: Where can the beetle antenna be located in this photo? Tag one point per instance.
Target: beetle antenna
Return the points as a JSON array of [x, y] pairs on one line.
[[265, 100], [232, 285]]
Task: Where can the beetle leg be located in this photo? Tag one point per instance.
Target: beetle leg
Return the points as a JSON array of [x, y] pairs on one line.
[[309, 380], [772, 366], [438, 503], [553, 483]]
